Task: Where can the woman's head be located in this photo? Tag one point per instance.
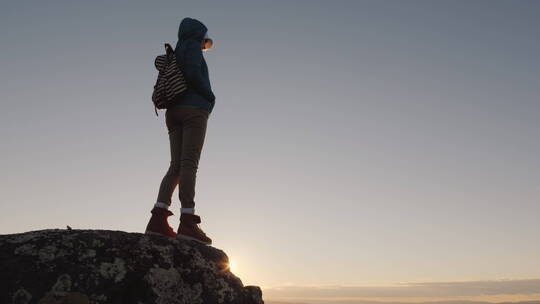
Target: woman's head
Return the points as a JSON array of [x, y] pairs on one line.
[[193, 29]]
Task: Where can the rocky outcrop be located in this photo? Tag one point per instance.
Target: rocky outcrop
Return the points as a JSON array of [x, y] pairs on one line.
[[100, 266]]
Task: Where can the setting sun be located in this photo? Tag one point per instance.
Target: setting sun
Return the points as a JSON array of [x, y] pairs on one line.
[[232, 266]]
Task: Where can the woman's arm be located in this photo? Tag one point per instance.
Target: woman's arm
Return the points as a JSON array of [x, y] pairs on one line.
[[191, 68]]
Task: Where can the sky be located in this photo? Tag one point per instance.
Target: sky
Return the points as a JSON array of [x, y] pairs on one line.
[[357, 150]]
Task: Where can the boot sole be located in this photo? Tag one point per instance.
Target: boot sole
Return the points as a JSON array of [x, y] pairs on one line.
[[189, 238]]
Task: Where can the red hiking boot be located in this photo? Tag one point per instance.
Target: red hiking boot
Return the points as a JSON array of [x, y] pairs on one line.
[[189, 229], [158, 223]]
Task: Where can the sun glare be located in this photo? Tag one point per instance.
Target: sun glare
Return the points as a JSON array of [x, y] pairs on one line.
[[232, 266]]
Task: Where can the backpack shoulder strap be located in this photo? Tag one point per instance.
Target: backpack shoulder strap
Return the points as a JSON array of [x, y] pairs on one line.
[[168, 49]]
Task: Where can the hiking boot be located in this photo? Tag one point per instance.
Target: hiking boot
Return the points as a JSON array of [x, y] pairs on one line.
[[158, 223], [189, 229]]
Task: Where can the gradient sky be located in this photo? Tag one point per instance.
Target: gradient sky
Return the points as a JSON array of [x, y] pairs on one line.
[[353, 143]]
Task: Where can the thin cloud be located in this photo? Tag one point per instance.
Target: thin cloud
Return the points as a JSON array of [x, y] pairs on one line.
[[427, 290]]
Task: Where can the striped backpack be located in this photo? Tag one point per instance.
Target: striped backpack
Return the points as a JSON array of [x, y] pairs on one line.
[[170, 82]]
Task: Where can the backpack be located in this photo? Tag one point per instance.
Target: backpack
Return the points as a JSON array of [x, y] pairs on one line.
[[170, 83]]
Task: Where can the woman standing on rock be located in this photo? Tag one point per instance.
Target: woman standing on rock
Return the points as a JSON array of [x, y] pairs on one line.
[[186, 124]]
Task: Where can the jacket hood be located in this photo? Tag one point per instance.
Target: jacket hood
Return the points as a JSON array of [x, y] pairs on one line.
[[191, 28]]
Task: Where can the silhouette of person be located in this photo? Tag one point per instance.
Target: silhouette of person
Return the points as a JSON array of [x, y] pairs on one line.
[[186, 123]]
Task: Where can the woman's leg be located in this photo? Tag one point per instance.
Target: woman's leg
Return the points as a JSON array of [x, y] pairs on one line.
[[158, 222], [193, 136], [172, 177]]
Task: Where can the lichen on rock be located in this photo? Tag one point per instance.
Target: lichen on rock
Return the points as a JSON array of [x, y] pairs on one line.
[[116, 270]]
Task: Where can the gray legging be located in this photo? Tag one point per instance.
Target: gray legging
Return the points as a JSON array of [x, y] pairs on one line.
[[187, 130]]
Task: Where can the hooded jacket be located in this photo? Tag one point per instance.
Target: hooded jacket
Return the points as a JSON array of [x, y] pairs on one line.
[[191, 61]]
